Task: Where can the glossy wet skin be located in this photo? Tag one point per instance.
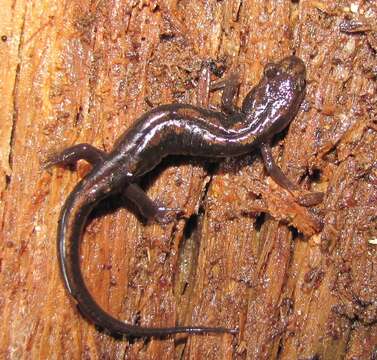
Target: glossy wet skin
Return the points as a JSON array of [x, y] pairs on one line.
[[172, 129]]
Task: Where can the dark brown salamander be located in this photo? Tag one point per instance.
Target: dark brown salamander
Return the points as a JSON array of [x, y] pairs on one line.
[[172, 129]]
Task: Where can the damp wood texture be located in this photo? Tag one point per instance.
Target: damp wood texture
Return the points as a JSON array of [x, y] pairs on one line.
[[299, 282]]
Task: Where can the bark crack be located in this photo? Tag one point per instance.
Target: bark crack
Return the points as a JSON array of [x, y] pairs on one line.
[[14, 95]]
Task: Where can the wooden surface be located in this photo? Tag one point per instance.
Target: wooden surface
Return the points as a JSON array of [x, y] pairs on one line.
[[81, 71]]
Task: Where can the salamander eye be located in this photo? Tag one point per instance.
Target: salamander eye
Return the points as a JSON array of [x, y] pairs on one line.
[[271, 70]]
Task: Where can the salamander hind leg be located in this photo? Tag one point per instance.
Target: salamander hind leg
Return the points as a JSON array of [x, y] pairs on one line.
[[149, 208], [71, 155]]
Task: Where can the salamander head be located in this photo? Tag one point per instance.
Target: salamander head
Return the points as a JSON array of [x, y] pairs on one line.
[[292, 67], [274, 102]]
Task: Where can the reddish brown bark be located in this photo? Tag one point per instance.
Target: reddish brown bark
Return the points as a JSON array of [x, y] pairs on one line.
[[81, 71]]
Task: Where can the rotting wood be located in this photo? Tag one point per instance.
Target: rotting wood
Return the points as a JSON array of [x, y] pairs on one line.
[[83, 72]]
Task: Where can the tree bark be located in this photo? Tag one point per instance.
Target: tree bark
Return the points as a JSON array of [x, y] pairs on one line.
[[300, 283]]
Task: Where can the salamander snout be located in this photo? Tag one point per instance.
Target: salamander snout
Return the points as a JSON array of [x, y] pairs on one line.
[[293, 66]]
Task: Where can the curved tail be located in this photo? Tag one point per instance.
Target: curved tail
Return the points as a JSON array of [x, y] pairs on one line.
[[70, 230]]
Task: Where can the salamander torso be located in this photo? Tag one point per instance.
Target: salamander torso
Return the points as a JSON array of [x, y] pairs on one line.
[[179, 129]]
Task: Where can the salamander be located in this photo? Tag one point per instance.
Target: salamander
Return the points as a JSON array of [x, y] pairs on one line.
[[174, 129]]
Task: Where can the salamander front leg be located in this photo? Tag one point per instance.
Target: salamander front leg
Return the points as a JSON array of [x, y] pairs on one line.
[[306, 199], [273, 170], [71, 155], [148, 208], [202, 91], [230, 90], [229, 86]]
